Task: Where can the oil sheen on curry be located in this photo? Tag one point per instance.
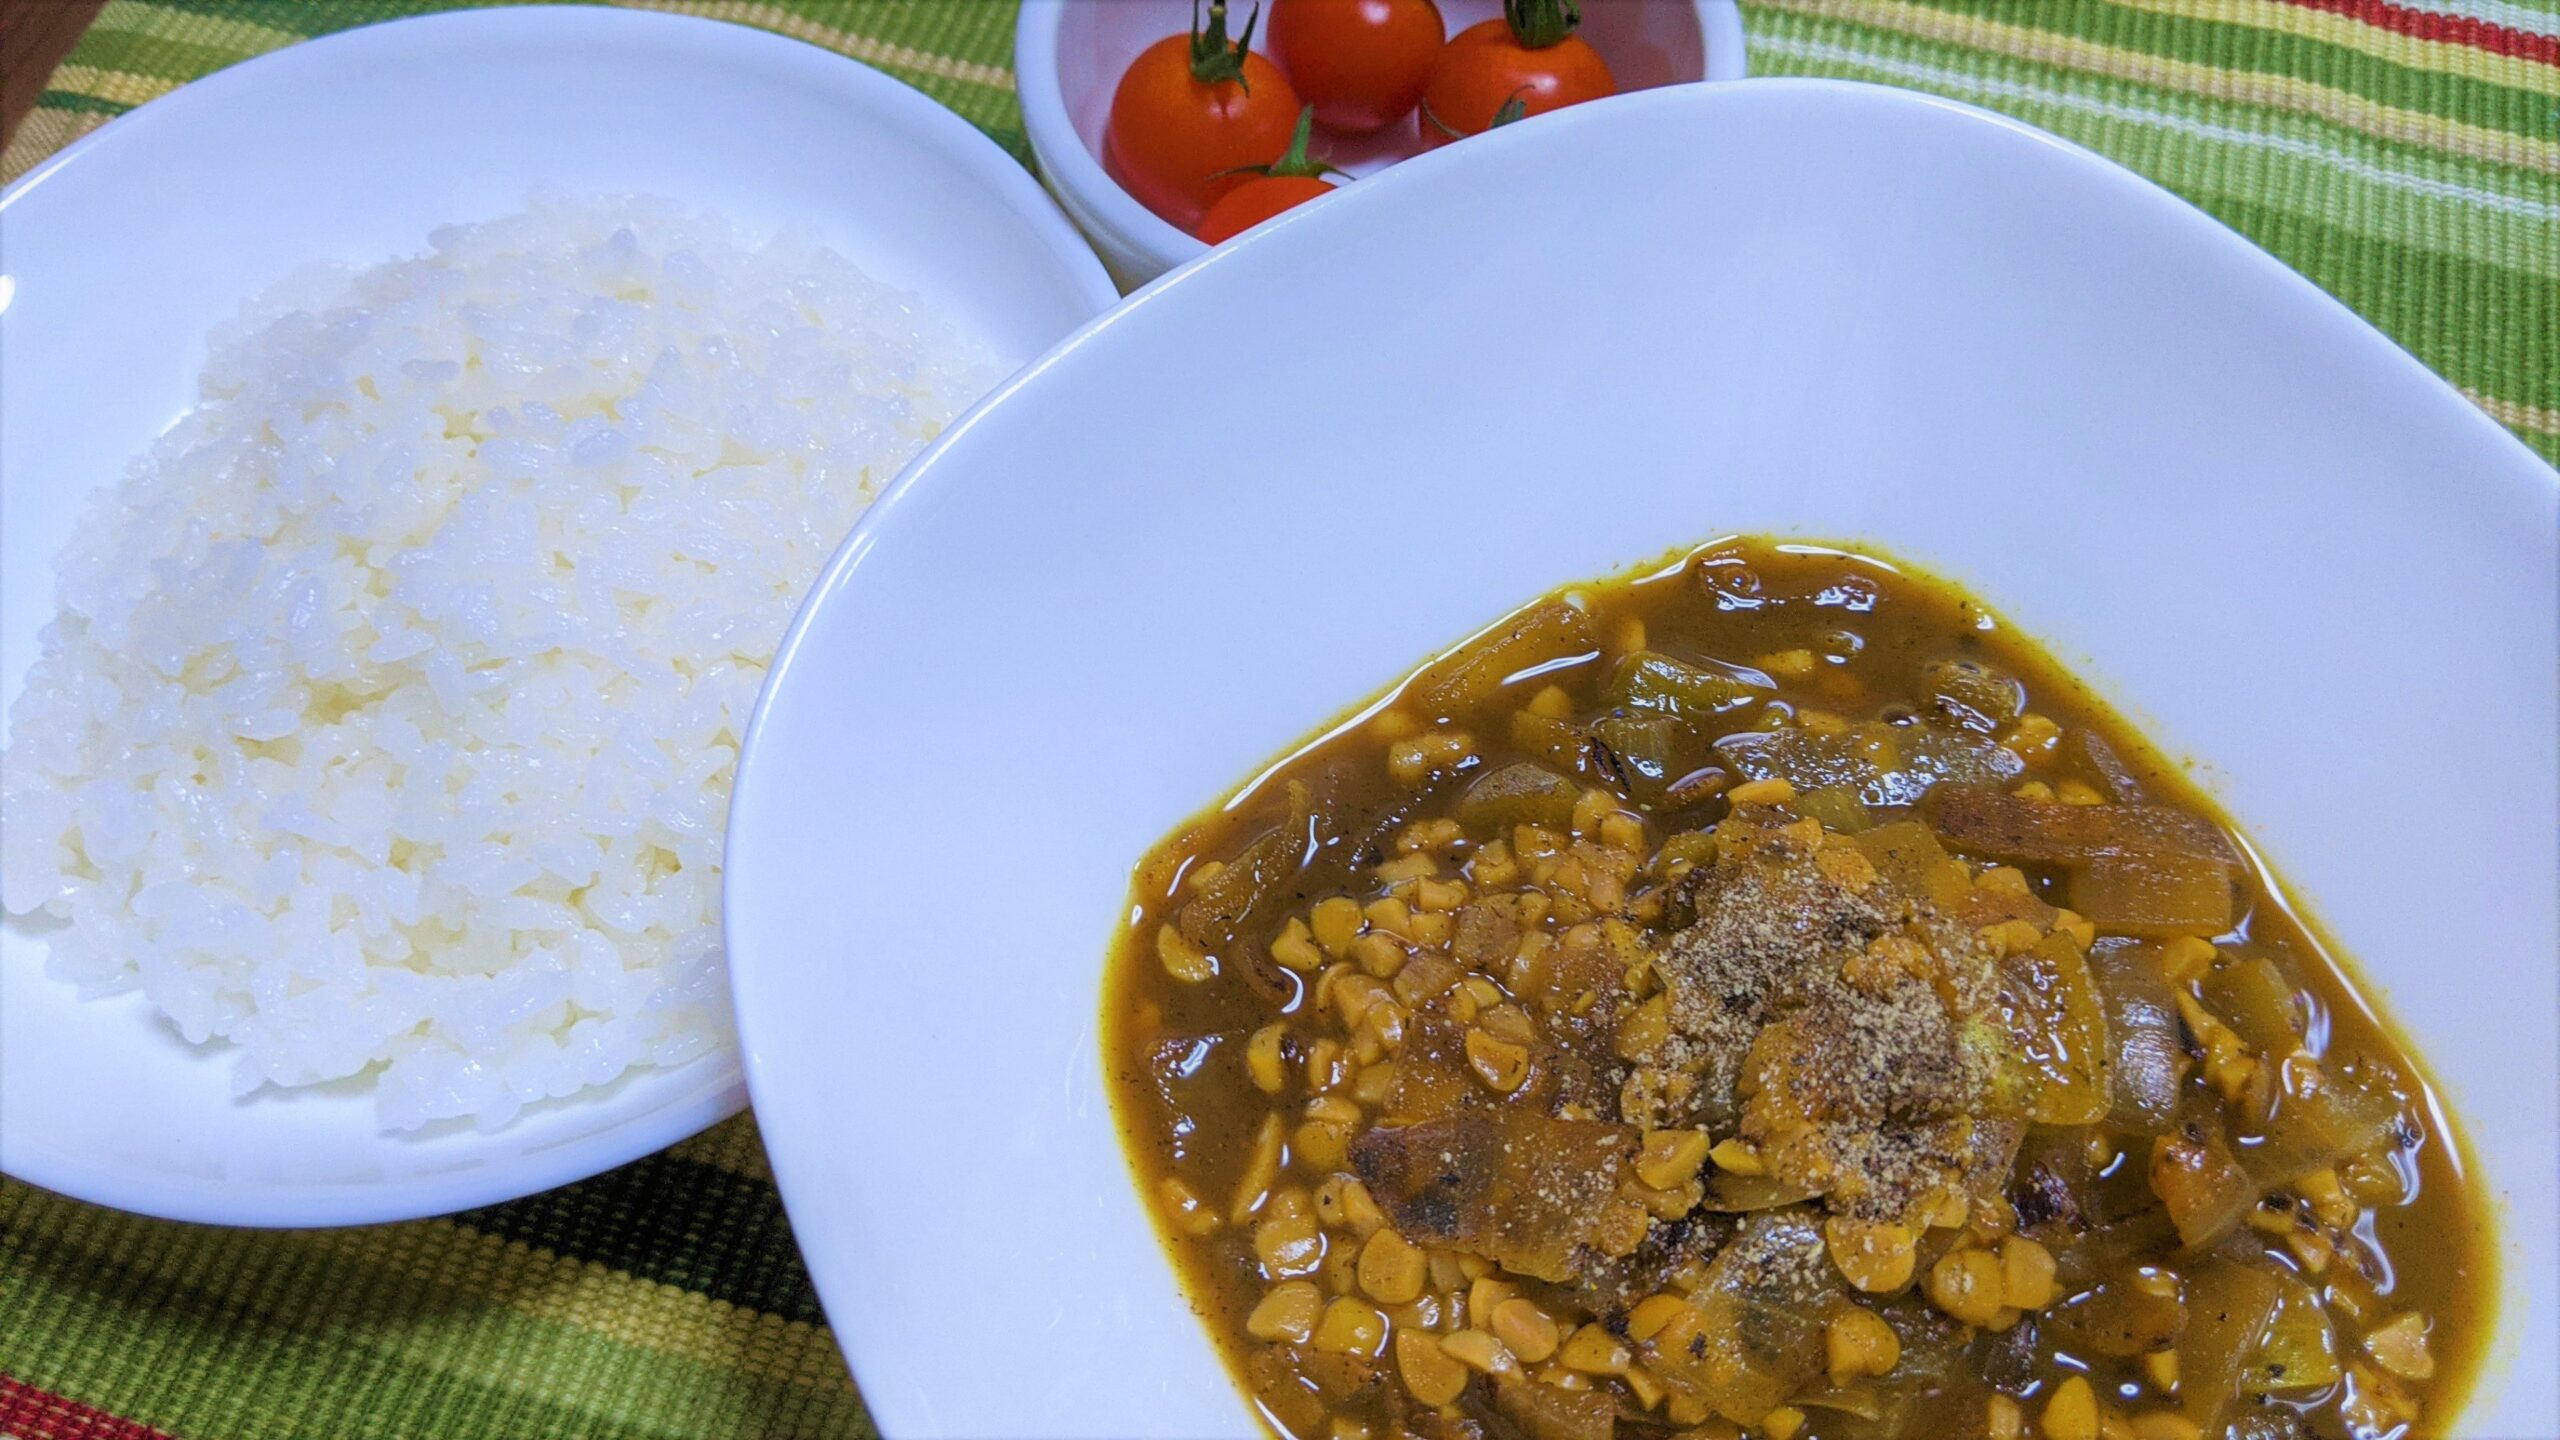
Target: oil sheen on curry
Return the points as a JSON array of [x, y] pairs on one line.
[[1765, 997]]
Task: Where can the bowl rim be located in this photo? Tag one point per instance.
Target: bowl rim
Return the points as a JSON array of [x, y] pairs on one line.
[[720, 1091], [1101, 203], [2499, 1366]]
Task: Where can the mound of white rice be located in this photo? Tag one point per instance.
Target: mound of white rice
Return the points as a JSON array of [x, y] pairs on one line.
[[388, 720]]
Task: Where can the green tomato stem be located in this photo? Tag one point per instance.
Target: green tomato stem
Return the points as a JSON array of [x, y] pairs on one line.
[[1537, 24], [1213, 60]]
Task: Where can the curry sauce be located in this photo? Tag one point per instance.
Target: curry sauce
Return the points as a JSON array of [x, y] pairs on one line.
[[1765, 996]]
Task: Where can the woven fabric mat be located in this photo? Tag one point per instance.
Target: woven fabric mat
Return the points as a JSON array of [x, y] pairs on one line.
[[2406, 158]]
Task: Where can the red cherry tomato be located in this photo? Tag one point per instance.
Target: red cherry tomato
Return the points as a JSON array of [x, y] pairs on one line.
[[1361, 63], [1191, 112], [1530, 58], [1293, 179], [1257, 200]]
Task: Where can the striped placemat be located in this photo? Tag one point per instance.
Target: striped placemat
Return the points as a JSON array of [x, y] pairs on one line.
[[2405, 156]]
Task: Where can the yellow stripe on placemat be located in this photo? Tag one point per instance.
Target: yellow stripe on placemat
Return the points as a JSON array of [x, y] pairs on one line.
[[123, 87], [596, 1298], [732, 1145], [2517, 415], [860, 47], [43, 132], [2329, 28], [2302, 97], [217, 32]]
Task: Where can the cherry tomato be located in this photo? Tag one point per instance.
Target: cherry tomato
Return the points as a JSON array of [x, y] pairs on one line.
[[1293, 179], [1191, 112], [1530, 56], [1361, 63], [1257, 200]]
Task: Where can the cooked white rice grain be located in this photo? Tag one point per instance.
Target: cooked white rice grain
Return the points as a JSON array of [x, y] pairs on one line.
[[388, 719]]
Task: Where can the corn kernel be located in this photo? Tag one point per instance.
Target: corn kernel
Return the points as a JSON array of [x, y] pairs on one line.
[[1858, 1342], [1645, 1028], [2004, 880], [1788, 664], [1379, 954], [1334, 922], [1295, 947], [1655, 1314], [1524, 1329], [2026, 1274], [1771, 791], [1345, 1204], [1671, 1158], [1326, 1066], [2002, 1419], [1350, 1328], [2078, 792], [1875, 1256], [1183, 960], [2032, 737], [1261, 1167], [1966, 1284], [1501, 1064], [1288, 1313], [1184, 1209], [1431, 1373], [2160, 1367], [2184, 958], [1479, 1351], [1737, 1156], [2165, 1425], [1439, 895], [1263, 1060], [1287, 1241], [2072, 1413], [1782, 1423], [1594, 1351], [1391, 1269], [1320, 1144]]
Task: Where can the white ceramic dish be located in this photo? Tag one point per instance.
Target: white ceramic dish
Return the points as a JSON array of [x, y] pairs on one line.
[[122, 253], [1795, 306], [1068, 57]]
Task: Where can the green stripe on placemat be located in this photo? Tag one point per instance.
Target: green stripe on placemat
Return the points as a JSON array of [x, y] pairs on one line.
[[661, 1300], [2407, 161]]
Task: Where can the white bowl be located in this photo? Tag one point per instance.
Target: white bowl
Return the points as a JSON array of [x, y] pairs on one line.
[[1238, 504], [1068, 56], [120, 255]]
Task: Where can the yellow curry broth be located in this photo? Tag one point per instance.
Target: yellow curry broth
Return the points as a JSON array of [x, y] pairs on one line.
[[1764, 996]]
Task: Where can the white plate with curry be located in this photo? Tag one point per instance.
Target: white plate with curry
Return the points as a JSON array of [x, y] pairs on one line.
[[1495, 1063]]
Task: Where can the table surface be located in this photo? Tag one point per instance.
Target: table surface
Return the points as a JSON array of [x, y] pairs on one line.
[[2406, 156]]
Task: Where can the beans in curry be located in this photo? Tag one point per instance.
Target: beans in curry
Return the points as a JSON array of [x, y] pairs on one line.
[[1766, 997]]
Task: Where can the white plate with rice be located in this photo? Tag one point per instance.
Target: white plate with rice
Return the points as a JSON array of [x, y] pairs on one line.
[[415, 443]]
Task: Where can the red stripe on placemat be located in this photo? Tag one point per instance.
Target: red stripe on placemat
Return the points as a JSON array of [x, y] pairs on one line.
[[27, 1413], [2447, 29]]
